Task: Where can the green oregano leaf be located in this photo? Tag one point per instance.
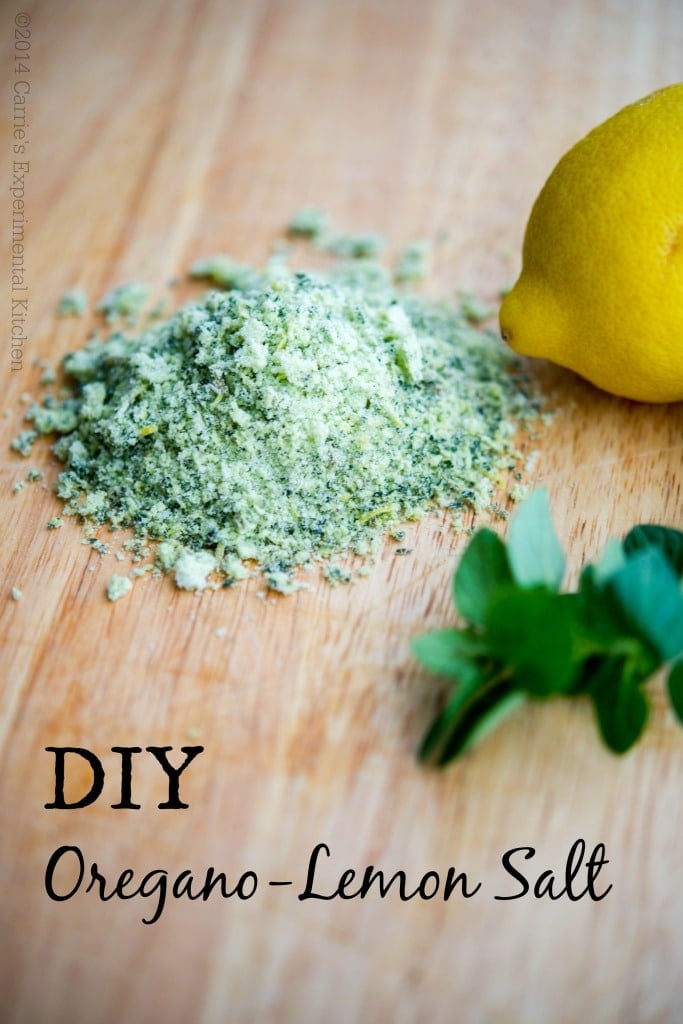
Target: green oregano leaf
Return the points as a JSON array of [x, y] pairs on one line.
[[620, 704], [466, 719], [532, 630], [483, 571], [665, 538], [650, 595], [605, 626], [525, 639], [611, 559], [675, 688], [448, 719], [534, 551], [448, 652]]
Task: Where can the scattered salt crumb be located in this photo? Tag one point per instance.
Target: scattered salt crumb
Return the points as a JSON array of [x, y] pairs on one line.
[[192, 569], [473, 309], [48, 375], [458, 523], [74, 302], [141, 570], [118, 587], [308, 222], [519, 492], [284, 582], [413, 262], [125, 301], [96, 544], [334, 574]]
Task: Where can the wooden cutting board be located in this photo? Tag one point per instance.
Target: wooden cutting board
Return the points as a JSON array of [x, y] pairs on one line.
[[161, 132]]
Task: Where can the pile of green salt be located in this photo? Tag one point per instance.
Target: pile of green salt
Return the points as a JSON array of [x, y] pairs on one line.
[[291, 418]]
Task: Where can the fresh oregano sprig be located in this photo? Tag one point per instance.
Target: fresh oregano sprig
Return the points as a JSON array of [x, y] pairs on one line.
[[525, 639]]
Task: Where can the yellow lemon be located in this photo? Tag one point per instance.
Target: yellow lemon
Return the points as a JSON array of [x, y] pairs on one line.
[[601, 286]]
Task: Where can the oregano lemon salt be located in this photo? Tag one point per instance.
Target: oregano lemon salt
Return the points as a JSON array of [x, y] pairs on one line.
[[289, 418]]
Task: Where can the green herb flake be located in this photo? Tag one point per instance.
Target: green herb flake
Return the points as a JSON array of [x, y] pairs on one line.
[[16, 594], [55, 523]]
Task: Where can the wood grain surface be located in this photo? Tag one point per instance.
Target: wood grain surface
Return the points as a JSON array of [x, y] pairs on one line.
[[160, 132]]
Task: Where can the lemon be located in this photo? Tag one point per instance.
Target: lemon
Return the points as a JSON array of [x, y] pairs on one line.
[[601, 286]]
